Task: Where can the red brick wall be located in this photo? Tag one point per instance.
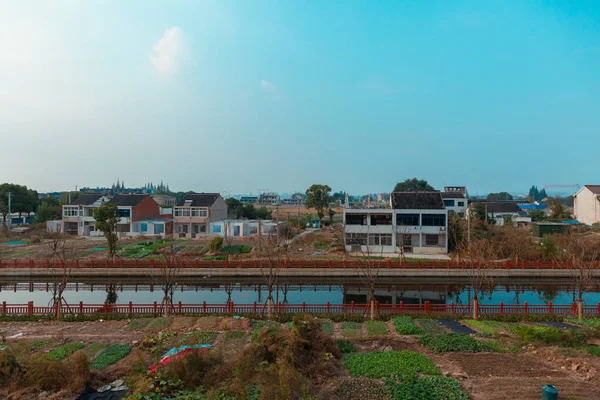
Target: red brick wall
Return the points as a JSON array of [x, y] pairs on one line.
[[147, 209]]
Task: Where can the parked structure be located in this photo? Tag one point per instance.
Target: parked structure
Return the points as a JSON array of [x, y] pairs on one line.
[[417, 222], [587, 204], [193, 215], [139, 215], [250, 227], [502, 212], [456, 199], [539, 229]]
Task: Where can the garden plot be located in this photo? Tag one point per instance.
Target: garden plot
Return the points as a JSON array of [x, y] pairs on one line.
[[456, 326]]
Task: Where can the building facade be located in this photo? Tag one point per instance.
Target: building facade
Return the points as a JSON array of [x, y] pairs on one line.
[[416, 223], [586, 204], [193, 215]]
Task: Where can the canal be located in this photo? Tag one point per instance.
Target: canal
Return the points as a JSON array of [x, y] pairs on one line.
[[291, 290]]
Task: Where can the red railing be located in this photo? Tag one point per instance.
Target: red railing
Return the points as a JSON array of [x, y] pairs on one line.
[[261, 308], [290, 263]]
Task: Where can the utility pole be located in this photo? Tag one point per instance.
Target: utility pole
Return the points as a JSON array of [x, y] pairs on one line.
[[9, 210]]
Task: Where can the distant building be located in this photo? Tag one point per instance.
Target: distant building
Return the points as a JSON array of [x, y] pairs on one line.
[[268, 199], [249, 199], [587, 204], [417, 222], [248, 227], [502, 212], [192, 215], [293, 201]]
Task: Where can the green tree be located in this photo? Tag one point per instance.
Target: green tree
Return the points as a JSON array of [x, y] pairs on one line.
[[107, 218], [234, 207], [331, 214], [23, 200], [317, 197], [413, 185], [557, 210], [263, 213], [64, 197], [478, 211], [501, 196], [48, 208], [537, 215]]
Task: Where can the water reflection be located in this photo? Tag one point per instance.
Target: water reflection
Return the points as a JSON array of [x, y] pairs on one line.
[[289, 291]]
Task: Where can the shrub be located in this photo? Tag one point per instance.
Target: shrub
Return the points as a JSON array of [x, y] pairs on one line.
[[401, 365], [54, 375], [110, 356], [429, 387], [64, 351], [406, 326], [589, 322], [345, 346], [376, 328], [215, 244], [449, 342], [430, 326]]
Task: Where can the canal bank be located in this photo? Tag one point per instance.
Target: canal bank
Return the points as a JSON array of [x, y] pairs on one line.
[[292, 272]]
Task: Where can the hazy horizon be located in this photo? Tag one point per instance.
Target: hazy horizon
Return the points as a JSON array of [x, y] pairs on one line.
[[240, 96]]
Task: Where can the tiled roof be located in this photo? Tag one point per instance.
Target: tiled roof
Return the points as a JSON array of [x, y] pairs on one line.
[[431, 200], [86, 199], [199, 199], [594, 188], [128, 200]]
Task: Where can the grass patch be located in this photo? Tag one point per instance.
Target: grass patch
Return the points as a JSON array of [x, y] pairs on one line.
[[234, 335], [110, 356], [260, 324], [553, 336], [401, 365], [93, 349], [64, 351], [138, 324], [350, 333], [326, 327], [320, 245], [593, 350], [346, 346], [351, 329], [428, 387], [159, 323], [406, 326], [589, 322], [450, 342], [195, 337], [376, 328], [481, 326], [430, 326]]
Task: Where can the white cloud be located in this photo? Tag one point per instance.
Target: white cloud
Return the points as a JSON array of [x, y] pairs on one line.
[[268, 87], [168, 51]]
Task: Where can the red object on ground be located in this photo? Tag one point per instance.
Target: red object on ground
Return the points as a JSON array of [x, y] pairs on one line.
[[168, 359]]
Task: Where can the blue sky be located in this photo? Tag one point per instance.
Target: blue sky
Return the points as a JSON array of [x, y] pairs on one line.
[[247, 95]]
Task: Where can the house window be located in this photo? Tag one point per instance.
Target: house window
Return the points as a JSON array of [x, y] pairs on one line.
[[380, 239], [199, 212], [143, 227], [356, 219], [432, 240], [461, 204], [381, 219], [356, 239], [216, 228], [434, 220], [408, 219], [124, 213], [253, 230], [182, 212], [448, 203], [71, 211], [159, 228], [406, 240]]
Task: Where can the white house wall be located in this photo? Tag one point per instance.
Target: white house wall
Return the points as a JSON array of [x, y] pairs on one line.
[[586, 207]]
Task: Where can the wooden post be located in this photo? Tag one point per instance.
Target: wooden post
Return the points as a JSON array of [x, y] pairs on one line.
[[254, 308], [525, 307], [304, 306], [154, 307], [4, 307], [179, 307], [427, 307], [401, 306], [550, 311], [30, 307], [80, 307], [452, 308], [352, 306], [501, 308], [328, 308], [204, 307], [130, 308], [105, 308]]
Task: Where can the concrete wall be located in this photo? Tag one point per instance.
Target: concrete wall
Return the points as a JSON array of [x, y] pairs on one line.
[[586, 207], [218, 211]]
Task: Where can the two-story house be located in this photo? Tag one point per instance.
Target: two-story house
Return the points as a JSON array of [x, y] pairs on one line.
[[416, 222], [192, 215], [137, 212], [456, 199], [78, 216], [586, 204]]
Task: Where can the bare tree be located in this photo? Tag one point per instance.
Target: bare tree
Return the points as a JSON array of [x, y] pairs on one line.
[[579, 255], [228, 238], [63, 260], [481, 257], [169, 272], [270, 259]]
